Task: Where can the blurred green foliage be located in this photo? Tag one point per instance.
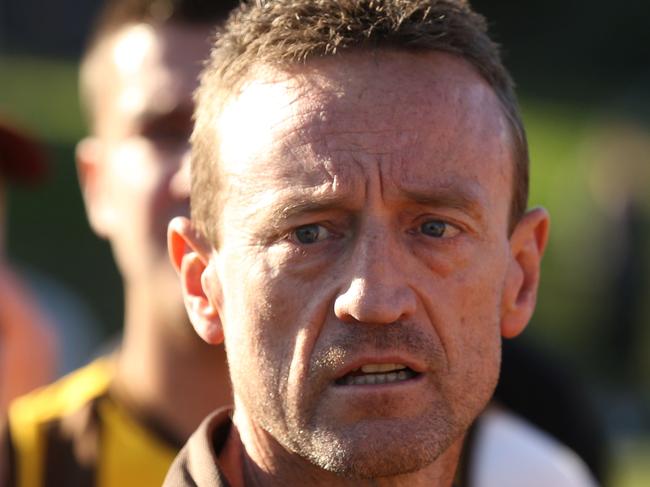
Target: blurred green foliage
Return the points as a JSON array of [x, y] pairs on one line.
[[558, 183], [41, 95], [48, 230], [632, 468]]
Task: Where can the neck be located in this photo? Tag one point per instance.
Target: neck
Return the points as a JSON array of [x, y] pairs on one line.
[[266, 463], [164, 371]]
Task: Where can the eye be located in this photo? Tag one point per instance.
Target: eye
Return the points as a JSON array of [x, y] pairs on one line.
[[438, 229], [309, 234], [168, 136]]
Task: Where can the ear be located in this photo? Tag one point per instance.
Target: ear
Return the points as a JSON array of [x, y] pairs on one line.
[[89, 158], [190, 255], [527, 245], [180, 183]]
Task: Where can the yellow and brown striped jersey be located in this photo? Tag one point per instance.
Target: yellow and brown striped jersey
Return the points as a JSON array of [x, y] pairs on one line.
[[75, 433]]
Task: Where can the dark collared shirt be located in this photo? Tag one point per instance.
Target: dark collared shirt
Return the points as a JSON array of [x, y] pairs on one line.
[[197, 464]]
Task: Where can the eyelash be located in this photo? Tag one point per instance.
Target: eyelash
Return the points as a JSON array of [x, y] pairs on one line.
[[448, 228], [418, 229]]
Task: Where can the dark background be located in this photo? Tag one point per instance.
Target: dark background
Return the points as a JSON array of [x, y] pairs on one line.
[[578, 48]]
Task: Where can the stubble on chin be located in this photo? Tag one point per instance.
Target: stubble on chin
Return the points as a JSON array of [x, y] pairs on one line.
[[377, 444], [373, 446]]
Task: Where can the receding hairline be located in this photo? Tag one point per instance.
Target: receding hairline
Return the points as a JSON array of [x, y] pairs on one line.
[[291, 73], [273, 72], [297, 31]]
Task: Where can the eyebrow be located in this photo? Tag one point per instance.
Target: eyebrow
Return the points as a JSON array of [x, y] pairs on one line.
[[305, 205], [154, 115], [466, 199]]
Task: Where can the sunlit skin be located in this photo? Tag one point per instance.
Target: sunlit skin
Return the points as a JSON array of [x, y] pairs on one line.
[[364, 222], [134, 181]]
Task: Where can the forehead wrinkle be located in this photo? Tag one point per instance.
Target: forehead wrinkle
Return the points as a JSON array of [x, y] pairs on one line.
[[337, 129], [338, 132], [311, 184], [327, 135]]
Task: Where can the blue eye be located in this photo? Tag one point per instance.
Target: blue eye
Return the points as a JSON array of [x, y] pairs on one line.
[[434, 228], [309, 234]]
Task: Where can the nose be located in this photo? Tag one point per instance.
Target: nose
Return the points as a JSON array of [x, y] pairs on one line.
[[179, 184], [378, 291]]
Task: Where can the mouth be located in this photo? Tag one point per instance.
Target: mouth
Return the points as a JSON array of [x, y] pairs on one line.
[[372, 374]]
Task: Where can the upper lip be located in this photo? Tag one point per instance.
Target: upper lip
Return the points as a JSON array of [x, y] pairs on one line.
[[357, 363]]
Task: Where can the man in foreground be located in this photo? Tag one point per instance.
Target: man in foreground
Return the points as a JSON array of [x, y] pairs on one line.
[[121, 420], [359, 241]]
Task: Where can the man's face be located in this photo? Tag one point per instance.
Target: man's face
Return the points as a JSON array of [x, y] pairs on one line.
[[363, 255], [142, 125]]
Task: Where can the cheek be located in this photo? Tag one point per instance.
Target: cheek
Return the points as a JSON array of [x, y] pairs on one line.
[[470, 334], [132, 166], [137, 168], [477, 280], [139, 178], [284, 318], [261, 313], [466, 310]]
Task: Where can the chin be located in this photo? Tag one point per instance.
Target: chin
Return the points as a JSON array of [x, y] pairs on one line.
[[375, 449]]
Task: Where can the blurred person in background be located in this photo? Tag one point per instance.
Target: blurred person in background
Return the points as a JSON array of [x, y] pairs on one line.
[[120, 420], [28, 345]]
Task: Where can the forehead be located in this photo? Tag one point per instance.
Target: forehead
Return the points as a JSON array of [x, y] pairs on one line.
[[146, 69], [420, 117]]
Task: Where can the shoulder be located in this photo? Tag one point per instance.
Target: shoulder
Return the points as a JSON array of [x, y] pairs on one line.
[[63, 397], [47, 409], [197, 464], [508, 451]]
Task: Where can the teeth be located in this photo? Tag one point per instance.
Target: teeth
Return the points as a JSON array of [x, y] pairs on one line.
[[360, 380], [381, 368]]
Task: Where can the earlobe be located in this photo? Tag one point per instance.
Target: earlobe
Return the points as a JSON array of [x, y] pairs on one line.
[[200, 284], [527, 245]]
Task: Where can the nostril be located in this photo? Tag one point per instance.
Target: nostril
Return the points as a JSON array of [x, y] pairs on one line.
[[349, 302]]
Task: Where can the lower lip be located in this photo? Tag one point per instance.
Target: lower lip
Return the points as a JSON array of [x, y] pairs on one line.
[[383, 386]]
